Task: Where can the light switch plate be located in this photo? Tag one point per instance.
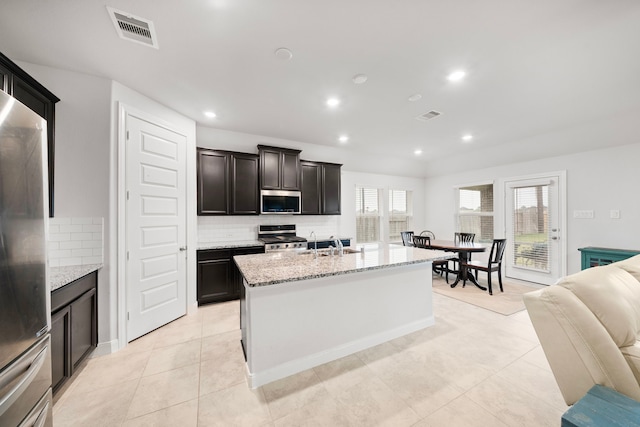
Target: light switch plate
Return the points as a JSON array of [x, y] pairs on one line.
[[615, 214], [583, 214]]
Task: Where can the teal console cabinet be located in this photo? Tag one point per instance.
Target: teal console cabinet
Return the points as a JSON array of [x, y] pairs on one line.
[[593, 257]]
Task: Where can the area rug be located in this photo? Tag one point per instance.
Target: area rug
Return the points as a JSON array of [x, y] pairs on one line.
[[506, 303]]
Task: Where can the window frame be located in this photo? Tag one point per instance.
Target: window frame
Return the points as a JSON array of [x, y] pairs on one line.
[[458, 214]]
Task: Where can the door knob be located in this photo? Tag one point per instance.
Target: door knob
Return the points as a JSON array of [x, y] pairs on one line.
[[183, 248]]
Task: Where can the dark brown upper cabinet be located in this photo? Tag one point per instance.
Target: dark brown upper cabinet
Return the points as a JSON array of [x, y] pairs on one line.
[[227, 183], [320, 188], [17, 83], [279, 168], [245, 191], [331, 189]]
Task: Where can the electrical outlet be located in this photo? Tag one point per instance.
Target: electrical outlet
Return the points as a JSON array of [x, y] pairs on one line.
[[614, 214], [583, 214]]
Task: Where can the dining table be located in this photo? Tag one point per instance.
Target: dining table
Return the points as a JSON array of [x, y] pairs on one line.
[[464, 251]]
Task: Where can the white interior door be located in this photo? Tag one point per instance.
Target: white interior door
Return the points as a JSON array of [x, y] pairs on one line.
[[534, 229], [156, 226]]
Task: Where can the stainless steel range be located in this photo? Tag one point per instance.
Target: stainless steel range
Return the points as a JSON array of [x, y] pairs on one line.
[[281, 238]]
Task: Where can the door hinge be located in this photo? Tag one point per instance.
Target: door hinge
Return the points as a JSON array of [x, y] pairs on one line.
[[127, 315], [127, 135], [127, 194], [127, 255]]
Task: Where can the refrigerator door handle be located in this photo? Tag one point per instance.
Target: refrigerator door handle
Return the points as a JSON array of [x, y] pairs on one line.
[[27, 377]]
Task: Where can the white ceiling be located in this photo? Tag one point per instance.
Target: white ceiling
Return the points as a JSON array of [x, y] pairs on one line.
[[534, 68]]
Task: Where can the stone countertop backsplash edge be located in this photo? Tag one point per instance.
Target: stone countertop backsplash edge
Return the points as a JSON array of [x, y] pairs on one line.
[[62, 276]]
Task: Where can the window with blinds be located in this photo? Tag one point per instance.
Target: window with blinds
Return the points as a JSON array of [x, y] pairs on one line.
[[531, 235], [367, 215], [400, 213], [475, 211]]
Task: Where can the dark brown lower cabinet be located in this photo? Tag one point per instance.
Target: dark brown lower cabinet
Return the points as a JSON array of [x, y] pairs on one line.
[[218, 277], [74, 326], [60, 347]]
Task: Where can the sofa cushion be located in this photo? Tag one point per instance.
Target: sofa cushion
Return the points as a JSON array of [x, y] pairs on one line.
[[632, 354], [631, 266], [613, 296]]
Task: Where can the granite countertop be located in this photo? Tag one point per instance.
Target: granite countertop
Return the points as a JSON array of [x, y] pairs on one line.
[[229, 245], [280, 267], [61, 276]]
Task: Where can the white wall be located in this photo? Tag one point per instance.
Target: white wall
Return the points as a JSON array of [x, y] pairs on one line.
[[599, 180], [351, 180], [353, 157], [86, 171], [81, 185], [122, 96]]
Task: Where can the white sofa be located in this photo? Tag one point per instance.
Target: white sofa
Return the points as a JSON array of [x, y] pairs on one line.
[[589, 327]]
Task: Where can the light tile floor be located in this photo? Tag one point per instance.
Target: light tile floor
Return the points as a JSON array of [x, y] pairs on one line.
[[473, 368]]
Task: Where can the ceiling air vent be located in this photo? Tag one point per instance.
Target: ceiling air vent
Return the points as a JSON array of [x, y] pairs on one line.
[[133, 28], [428, 116]]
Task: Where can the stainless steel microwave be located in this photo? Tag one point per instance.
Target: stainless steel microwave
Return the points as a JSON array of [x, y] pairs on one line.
[[280, 202]]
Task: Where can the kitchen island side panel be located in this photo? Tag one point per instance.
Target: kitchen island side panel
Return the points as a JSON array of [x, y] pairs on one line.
[[294, 326]]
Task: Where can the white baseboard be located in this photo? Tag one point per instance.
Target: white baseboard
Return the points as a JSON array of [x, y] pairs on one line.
[[105, 348], [256, 380]]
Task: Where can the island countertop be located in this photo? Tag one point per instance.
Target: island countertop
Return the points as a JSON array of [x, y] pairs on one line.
[[281, 267]]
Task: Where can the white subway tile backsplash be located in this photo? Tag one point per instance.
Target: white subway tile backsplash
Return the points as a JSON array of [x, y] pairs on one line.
[[70, 228], [91, 260], [81, 252], [91, 243], [63, 262], [92, 228], [59, 221], [70, 245], [81, 236], [234, 228], [81, 220], [75, 241], [60, 254], [59, 237]]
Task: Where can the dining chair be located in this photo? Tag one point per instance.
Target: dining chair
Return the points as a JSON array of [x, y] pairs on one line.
[[464, 237], [421, 242], [428, 234], [459, 237], [494, 263], [439, 266], [407, 238]]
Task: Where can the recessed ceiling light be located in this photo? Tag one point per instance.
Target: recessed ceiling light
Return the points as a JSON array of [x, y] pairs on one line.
[[210, 114], [415, 97], [467, 137], [417, 152], [359, 78], [333, 102], [343, 138], [456, 76], [283, 54]]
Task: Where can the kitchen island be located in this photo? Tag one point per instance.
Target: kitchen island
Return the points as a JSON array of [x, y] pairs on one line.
[[299, 310]]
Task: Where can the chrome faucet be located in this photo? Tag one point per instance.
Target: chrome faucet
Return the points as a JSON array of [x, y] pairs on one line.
[[315, 244], [338, 244]]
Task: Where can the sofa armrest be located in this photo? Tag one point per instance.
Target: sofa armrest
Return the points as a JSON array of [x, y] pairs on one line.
[[579, 349]]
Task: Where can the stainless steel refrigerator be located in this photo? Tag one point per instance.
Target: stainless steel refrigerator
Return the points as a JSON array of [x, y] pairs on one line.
[[25, 357]]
